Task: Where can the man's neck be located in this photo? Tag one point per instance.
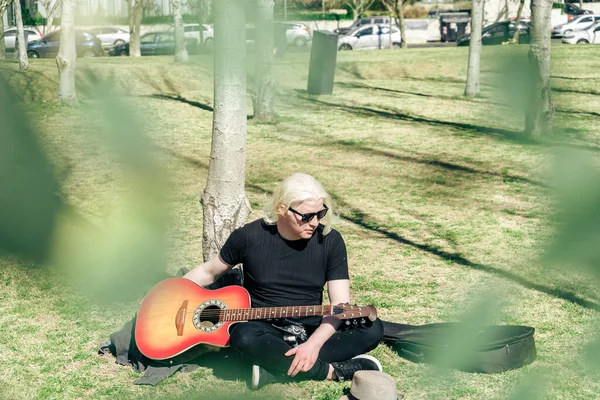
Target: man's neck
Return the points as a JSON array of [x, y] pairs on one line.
[[286, 235]]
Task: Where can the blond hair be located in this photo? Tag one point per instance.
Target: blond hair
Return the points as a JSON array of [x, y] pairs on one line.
[[297, 189]]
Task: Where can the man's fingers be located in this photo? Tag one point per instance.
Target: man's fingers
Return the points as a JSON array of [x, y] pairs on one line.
[[291, 351], [294, 369]]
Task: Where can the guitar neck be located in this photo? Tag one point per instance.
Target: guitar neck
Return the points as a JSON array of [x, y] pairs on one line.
[[248, 314]]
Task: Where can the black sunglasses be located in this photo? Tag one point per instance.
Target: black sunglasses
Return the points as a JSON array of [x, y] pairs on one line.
[[309, 216]]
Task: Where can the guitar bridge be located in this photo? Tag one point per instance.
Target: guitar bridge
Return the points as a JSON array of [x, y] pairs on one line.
[[180, 318]]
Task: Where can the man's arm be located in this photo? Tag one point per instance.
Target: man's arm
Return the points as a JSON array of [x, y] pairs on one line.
[[206, 273], [339, 291]]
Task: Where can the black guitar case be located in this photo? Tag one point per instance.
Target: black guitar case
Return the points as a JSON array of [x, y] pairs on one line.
[[491, 348]]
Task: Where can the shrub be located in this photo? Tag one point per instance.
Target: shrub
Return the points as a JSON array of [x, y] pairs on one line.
[[415, 11]]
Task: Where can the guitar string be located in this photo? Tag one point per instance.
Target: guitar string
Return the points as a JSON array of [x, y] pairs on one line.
[[252, 311]]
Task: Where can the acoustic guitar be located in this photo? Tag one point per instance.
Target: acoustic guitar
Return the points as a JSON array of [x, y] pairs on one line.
[[177, 314]]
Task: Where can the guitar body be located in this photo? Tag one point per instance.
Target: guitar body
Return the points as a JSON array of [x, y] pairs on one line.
[[177, 314]]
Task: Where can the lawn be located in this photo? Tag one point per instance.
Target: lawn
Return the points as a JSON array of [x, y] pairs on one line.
[[445, 208]]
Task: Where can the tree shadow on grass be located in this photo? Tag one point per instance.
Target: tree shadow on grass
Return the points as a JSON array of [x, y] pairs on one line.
[[438, 96], [515, 136], [359, 218], [452, 98], [394, 114], [440, 164], [190, 160], [181, 99], [204, 166], [350, 68], [35, 84], [559, 90]]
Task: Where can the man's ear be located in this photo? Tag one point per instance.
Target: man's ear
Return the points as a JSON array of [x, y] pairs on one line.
[[281, 209]]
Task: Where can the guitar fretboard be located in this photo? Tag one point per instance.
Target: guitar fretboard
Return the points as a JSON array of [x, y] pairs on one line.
[[247, 314]]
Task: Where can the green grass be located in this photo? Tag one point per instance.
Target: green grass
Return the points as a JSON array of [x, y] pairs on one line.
[[440, 202]]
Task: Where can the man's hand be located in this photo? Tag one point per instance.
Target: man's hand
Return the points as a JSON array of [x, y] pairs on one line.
[[306, 356]]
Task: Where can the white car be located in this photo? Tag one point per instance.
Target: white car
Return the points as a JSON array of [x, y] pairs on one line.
[[111, 36], [193, 31], [296, 34], [10, 36], [370, 37], [583, 21], [584, 36]]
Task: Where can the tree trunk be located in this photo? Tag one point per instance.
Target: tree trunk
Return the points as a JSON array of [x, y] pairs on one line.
[[181, 54], [264, 96], [201, 27], [67, 55], [2, 44], [136, 8], [223, 201], [51, 8], [400, 16], [474, 68], [48, 26], [22, 44], [391, 26], [515, 38], [539, 113]]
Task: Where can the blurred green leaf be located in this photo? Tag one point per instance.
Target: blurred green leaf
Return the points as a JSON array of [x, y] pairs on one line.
[[126, 254], [577, 180], [29, 198]]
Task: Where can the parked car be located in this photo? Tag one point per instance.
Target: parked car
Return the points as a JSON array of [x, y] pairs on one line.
[[370, 37], [156, 44], [10, 37], [377, 20], [111, 36], [193, 31], [87, 45], [584, 36], [296, 34], [580, 22], [574, 10], [499, 33]]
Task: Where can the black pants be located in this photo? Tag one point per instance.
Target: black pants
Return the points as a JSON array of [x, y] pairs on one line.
[[263, 344]]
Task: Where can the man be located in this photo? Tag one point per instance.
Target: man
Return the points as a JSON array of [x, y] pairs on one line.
[[288, 257]]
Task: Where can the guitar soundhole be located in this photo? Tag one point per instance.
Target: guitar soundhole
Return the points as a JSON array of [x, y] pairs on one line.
[[207, 315]]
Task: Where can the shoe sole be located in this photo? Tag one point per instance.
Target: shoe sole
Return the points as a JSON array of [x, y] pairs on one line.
[[255, 376], [368, 357]]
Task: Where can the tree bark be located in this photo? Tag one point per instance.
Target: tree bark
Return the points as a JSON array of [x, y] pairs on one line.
[[50, 6], [396, 11], [264, 80], [2, 44], [181, 54], [223, 201], [358, 7], [136, 8], [474, 68], [205, 10], [67, 55], [515, 38], [400, 16], [540, 110], [22, 44]]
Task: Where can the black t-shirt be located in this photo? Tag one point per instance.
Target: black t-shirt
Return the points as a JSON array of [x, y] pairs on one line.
[[279, 272]]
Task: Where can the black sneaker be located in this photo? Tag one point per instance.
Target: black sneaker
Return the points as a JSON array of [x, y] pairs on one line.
[[344, 370], [261, 377]]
